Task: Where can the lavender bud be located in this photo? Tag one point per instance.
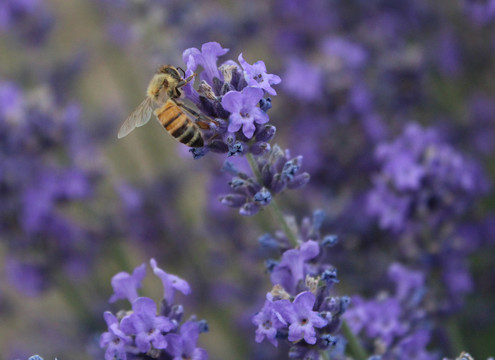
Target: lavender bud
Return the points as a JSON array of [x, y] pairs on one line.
[[217, 85], [236, 149], [290, 168], [270, 264], [218, 146], [206, 107], [265, 104], [220, 111], [318, 217], [329, 340], [268, 242], [330, 240], [237, 183], [277, 184], [198, 153], [263, 197], [345, 301], [330, 276], [203, 326], [259, 148], [299, 181], [266, 133], [266, 176], [249, 209], [233, 200], [176, 314]]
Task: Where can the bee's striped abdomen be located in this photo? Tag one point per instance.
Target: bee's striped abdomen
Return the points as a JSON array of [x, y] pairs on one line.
[[179, 125]]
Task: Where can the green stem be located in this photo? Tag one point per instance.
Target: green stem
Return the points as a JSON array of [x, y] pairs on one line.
[[324, 355], [254, 168], [455, 336], [72, 296], [277, 213], [354, 345]]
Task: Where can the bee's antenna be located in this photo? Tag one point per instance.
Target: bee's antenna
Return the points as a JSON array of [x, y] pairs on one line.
[[183, 72]]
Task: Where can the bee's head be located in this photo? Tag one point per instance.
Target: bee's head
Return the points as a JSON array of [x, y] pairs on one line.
[[170, 70]]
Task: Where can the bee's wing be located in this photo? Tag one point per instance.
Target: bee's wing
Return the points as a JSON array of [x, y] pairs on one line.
[[138, 118]]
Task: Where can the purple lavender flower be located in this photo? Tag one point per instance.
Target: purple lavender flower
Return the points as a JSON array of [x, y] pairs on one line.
[[44, 168], [125, 285], [480, 12], [416, 180], [142, 329], [397, 323], [301, 72], [268, 321], [301, 317], [29, 19], [256, 76], [115, 340], [244, 110], [414, 347], [291, 268], [184, 345], [171, 283], [207, 58], [146, 326]]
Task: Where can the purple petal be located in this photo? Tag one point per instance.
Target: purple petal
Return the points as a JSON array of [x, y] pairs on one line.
[[232, 101], [251, 96], [304, 302]]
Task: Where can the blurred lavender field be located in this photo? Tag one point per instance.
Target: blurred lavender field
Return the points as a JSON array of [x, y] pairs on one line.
[[385, 136]]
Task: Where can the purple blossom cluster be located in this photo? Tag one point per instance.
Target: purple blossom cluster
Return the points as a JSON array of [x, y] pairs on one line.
[[234, 96], [44, 169], [422, 180], [30, 20], [143, 331], [395, 326], [278, 171]]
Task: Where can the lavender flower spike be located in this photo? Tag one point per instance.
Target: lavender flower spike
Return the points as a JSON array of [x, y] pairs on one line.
[[244, 110], [257, 76], [126, 285], [301, 317], [170, 283]]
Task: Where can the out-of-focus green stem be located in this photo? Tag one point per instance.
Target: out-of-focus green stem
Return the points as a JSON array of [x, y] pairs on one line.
[[324, 355], [283, 222], [254, 168], [73, 298], [455, 337], [354, 345], [277, 213]]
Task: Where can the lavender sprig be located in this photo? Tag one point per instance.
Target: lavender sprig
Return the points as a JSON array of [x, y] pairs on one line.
[[143, 331]]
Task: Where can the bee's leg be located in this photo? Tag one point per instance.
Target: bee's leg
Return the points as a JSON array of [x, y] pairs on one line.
[[202, 121], [185, 81]]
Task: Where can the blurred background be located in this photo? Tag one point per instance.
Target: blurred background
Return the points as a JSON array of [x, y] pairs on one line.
[[77, 205]]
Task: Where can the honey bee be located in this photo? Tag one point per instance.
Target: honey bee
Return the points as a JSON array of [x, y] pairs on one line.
[[177, 118]]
